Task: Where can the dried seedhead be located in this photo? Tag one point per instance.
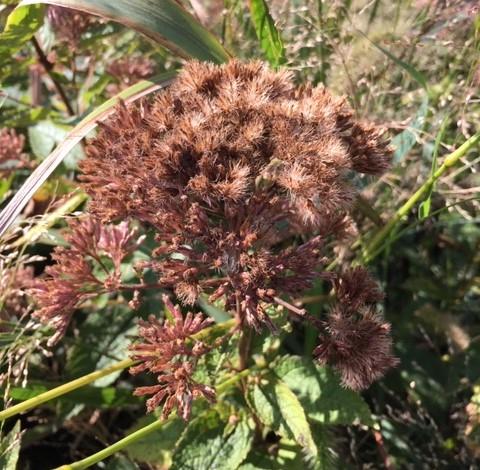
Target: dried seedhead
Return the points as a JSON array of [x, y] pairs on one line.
[[356, 340], [11, 152], [68, 24], [170, 351], [129, 70], [227, 165], [243, 178]]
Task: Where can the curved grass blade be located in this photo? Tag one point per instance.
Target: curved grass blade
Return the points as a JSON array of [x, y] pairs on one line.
[[164, 21], [45, 169]]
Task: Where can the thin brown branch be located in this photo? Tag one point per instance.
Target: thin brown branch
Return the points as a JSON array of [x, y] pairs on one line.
[[301, 312], [48, 66]]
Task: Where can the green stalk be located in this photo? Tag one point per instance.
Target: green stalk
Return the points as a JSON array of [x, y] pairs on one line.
[[89, 378], [375, 245], [139, 434], [63, 389]]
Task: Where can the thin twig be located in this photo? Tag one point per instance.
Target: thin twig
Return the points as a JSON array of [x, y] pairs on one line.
[[301, 312], [48, 66]]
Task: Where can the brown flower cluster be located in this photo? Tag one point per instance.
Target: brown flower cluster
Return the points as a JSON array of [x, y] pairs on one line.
[[243, 178], [356, 340], [227, 165], [129, 70], [14, 281], [68, 24], [171, 351], [11, 152], [71, 279]]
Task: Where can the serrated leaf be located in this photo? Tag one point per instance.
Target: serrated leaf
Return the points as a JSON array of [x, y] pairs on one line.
[[279, 409], [320, 392], [156, 448], [163, 21], [105, 339], [209, 443], [267, 33], [326, 458], [10, 448], [288, 455], [294, 415]]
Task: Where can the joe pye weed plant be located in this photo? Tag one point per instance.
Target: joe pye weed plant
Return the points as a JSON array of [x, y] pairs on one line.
[[197, 277]]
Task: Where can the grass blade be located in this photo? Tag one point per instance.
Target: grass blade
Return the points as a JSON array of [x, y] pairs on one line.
[[164, 21], [425, 206]]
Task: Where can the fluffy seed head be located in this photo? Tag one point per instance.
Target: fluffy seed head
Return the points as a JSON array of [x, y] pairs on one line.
[[225, 165]]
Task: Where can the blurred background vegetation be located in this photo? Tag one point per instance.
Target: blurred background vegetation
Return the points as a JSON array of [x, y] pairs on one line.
[[412, 66]]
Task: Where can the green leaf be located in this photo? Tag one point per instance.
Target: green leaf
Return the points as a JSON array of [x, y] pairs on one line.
[[22, 24], [294, 415], [164, 21], [406, 140], [45, 135], [326, 458], [86, 125], [267, 33], [425, 206], [211, 310], [156, 448], [10, 448], [209, 443], [120, 462], [279, 409], [418, 76], [105, 339], [288, 455], [320, 393]]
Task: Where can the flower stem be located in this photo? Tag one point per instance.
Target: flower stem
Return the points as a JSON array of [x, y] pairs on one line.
[[375, 245], [64, 389], [89, 378], [139, 434]]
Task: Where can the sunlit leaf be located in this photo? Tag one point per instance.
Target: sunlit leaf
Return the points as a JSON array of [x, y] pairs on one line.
[[156, 448], [22, 24], [279, 409], [10, 448], [209, 443], [320, 392], [425, 206], [267, 33]]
